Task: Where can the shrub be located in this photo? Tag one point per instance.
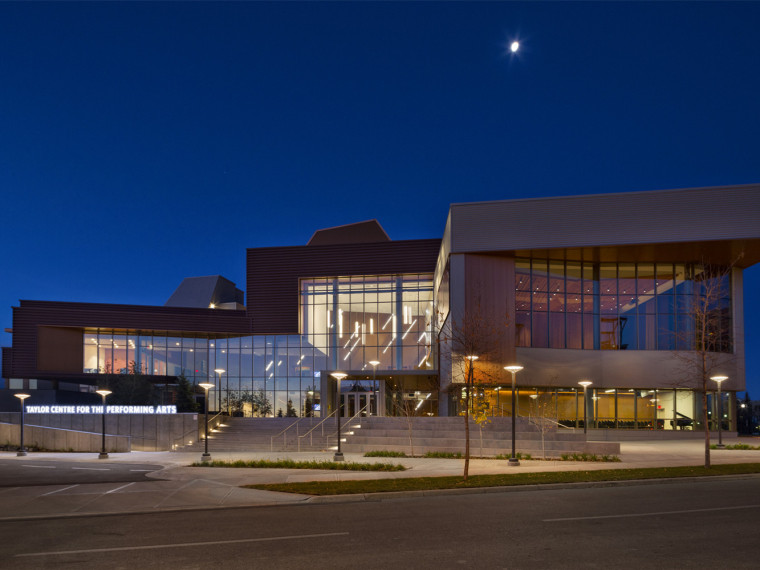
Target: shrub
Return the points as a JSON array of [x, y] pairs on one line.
[[384, 454]]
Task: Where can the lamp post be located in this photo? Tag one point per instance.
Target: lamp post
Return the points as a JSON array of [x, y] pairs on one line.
[[513, 369], [374, 364], [103, 393], [22, 450], [470, 381], [206, 386], [220, 371], [585, 384], [720, 379], [338, 376]]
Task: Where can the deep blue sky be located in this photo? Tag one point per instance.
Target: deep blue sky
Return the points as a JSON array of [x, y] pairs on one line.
[[141, 143]]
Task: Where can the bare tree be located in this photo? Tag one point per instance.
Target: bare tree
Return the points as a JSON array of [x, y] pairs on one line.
[[409, 409], [471, 343], [542, 414], [706, 349]]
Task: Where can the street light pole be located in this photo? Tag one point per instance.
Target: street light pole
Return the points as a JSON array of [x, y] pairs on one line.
[[103, 393], [206, 386], [220, 371], [719, 379], [338, 376], [21, 450], [585, 384], [374, 364], [514, 369]]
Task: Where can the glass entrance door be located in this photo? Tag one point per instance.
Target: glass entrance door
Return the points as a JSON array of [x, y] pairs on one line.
[[355, 402]]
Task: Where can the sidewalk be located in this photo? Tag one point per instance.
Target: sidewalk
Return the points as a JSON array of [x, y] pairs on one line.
[[179, 486]]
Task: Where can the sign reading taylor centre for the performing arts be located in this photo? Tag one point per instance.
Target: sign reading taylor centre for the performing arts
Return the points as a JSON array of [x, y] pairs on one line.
[[80, 409]]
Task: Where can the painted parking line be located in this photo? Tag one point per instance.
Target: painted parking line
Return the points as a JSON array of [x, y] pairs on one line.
[[59, 490], [654, 514], [92, 468], [119, 488], [40, 466], [182, 544]]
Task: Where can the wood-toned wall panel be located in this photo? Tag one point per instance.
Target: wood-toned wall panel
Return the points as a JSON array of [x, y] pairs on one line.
[[59, 349]]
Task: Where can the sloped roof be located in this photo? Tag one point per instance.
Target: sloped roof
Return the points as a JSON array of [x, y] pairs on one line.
[[369, 231], [202, 292]]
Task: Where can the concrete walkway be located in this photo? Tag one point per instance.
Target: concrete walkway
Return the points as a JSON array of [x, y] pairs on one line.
[[179, 486]]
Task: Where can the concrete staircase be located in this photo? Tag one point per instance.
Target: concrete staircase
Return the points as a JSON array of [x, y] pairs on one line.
[[393, 434], [266, 434], [447, 435]]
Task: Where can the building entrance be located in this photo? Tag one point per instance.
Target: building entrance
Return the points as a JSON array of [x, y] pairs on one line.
[[362, 403]]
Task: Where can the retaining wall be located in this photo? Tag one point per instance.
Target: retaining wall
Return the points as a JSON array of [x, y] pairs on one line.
[[54, 439], [147, 432]]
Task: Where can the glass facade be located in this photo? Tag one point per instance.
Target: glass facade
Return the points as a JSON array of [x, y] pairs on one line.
[[355, 320], [661, 409], [617, 306], [346, 322]]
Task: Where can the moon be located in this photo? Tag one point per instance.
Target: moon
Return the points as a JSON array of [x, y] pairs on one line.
[[514, 46]]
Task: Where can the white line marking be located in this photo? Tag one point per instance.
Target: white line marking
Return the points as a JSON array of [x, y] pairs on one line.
[[92, 468], [181, 545], [630, 515], [40, 466], [142, 470], [58, 490], [118, 488]]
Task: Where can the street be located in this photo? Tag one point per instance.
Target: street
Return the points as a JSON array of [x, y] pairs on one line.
[[684, 524]]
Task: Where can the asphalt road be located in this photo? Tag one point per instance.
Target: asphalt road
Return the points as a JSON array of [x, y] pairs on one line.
[[702, 524], [28, 473]]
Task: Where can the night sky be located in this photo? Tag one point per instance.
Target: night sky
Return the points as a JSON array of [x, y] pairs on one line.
[[141, 143]]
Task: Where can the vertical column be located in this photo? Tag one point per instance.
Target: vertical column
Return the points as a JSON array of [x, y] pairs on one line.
[[334, 343], [398, 329]]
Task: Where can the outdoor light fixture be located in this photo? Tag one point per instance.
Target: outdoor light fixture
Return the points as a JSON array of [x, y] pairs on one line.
[[374, 364], [338, 377], [720, 379], [220, 371], [513, 369], [585, 384], [206, 386], [103, 393], [22, 450]]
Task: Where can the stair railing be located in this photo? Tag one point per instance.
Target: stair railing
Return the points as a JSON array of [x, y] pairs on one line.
[[284, 434], [310, 433], [349, 420]]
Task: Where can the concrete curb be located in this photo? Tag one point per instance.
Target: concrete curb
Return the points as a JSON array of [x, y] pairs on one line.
[[377, 497]]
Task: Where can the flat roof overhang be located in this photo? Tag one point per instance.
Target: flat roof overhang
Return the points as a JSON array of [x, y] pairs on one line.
[[743, 253]]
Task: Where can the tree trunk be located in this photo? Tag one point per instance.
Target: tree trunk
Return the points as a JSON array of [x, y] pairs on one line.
[[707, 427], [466, 431]]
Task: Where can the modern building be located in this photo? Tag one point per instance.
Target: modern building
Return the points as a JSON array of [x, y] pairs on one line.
[[599, 287]]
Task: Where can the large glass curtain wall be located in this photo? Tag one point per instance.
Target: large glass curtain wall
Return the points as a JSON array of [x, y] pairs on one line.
[[359, 319], [617, 306], [281, 371], [347, 322], [607, 408]]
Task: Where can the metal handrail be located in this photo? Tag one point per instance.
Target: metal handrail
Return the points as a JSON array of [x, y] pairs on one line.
[[282, 433], [550, 420], [182, 438], [210, 422], [352, 418], [311, 431]]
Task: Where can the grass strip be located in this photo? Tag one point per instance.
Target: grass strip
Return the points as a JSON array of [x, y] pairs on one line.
[[740, 446], [291, 464], [502, 480]]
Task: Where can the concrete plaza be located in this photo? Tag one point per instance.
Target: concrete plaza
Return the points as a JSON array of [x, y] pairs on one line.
[[177, 485]]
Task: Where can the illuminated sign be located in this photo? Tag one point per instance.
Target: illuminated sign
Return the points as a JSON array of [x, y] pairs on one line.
[[85, 409]]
